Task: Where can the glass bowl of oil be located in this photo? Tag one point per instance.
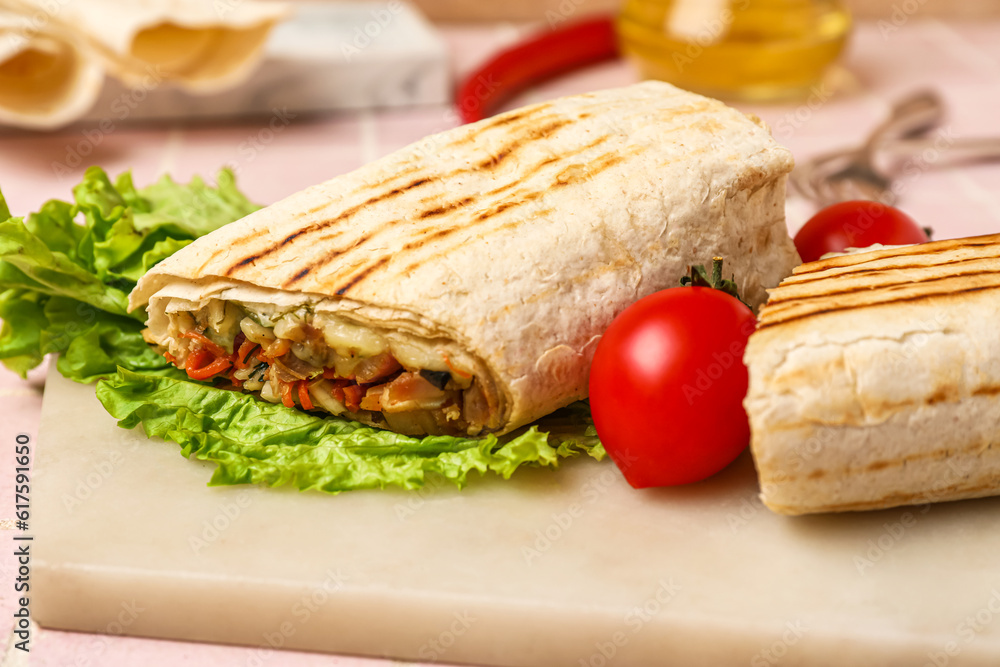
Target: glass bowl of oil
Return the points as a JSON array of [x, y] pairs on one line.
[[746, 50]]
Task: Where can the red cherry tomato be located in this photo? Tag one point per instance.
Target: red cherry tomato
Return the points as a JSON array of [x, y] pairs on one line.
[[667, 386], [856, 224]]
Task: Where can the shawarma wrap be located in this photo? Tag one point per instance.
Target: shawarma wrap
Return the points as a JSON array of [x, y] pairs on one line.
[[202, 46], [47, 78], [875, 379], [460, 285]]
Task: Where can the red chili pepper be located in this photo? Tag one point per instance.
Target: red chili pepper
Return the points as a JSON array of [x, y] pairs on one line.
[[541, 57], [213, 347], [304, 399], [286, 395]]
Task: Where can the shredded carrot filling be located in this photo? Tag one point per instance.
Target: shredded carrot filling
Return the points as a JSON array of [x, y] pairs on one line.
[[352, 397], [208, 344], [286, 395], [243, 353], [199, 372], [304, 399], [379, 383]]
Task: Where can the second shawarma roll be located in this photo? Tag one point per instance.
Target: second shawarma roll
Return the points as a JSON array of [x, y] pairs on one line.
[[47, 79], [875, 379], [461, 284]]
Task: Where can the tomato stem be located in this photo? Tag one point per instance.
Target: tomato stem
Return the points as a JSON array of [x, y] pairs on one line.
[[699, 278]]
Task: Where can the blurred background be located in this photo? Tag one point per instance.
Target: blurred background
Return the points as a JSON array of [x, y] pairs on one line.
[[526, 10]]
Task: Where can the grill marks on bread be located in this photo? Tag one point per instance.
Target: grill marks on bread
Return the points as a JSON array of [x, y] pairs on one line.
[[515, 142], [937, 270], [429, 236], [492, 220], [426, 240], [430, 239], [305, 232]]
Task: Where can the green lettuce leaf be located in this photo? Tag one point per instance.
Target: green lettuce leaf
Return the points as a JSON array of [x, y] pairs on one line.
[[255, 442], [66, 271], [23, 315]]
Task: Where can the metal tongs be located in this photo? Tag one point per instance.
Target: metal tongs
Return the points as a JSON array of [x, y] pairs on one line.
[[902, 142]]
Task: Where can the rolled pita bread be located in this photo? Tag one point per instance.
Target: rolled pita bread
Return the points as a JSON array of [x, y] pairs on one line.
[[488, 259], [47, 78], [201, 46], [875, 380]]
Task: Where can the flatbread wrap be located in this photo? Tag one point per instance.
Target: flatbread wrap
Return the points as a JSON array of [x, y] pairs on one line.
[[203, 47], [47, 78], [875, 379], [461, 284]]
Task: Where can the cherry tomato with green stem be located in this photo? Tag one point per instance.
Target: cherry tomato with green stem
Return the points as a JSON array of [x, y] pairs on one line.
[[667, 386]]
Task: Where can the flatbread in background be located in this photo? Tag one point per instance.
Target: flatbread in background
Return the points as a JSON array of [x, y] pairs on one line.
[[875, 379], [47, 79], [507, 246], [201, 45]]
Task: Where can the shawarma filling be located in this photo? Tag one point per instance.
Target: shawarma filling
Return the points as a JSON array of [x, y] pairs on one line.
[[316, 361]]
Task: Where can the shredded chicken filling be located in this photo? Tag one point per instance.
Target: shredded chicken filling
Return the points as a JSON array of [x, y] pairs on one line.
[[292, 363]]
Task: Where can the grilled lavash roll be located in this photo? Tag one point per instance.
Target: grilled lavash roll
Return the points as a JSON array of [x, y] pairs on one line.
[[499, 252], [875, 379], [47, 78], [201, 46]]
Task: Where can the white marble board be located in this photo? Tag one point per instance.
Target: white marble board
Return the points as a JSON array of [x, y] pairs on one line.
[[570, 567]]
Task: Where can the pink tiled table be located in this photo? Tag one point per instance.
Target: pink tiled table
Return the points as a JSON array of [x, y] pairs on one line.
[[962, 61]]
